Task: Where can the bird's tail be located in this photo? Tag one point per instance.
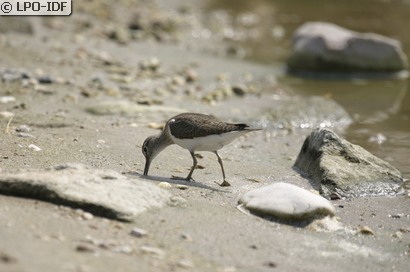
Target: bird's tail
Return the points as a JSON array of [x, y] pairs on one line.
[[247, 127]]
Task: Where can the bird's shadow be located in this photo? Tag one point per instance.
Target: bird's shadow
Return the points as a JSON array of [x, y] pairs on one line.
[[191, 183]]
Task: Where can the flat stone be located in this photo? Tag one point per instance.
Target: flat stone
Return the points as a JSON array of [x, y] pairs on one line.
[[337, 167], [325, 47], [104, 192], [286, 201]]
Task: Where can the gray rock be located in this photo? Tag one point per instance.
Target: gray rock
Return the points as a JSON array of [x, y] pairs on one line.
[[339, 168], [325, 47], [286, 201], [102, 192]]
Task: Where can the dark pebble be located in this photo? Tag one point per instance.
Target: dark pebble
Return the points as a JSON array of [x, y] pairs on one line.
[[45, 80], [271, 264], [5, 258], [239, 91]]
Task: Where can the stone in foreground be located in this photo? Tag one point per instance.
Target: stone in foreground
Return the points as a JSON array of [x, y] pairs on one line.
[[325, 47], [338, 168], [286, 201], [103, 192]]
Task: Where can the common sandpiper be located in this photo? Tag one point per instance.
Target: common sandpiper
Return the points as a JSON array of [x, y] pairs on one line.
[[195, 132]]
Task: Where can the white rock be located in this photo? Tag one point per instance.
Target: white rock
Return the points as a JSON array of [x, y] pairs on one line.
[[34, 147], [164, 184], [286, 201]]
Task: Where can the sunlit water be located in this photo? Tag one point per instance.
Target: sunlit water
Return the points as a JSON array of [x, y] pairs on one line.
[[380, 108]]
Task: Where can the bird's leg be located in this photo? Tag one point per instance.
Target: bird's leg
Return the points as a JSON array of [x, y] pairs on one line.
[[224, 183], [189, 177], [193, 166]]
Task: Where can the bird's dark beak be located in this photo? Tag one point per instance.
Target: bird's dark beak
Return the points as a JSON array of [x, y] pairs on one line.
[[147, 164]]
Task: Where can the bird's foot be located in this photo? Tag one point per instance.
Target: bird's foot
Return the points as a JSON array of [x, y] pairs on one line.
[[225, 184], [181, 178]]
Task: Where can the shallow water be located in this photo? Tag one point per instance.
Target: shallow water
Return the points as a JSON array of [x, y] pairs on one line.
[[380, 107]]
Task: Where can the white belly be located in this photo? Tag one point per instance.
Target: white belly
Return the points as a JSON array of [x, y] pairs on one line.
[[208, 143]]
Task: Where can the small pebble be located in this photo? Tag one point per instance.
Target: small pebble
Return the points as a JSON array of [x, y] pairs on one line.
[[87, 216], [45, 79], [164, 184], [404, 230], [254, 180], [23, 128], [34, 147], [396, 216], [335, 196], [178, 80], [397, 235], [24, 135], [271, 264], [365, 230], [7, 99], [152, 251], [239, 90], [126, 249], [5, 258], [137, 232], [190, 75], [84, 248], [155, 125], [151, 64], [186, 237], [182, 187], [185, 263], [43, 90]]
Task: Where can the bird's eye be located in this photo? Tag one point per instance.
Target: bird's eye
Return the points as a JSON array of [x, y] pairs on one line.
[[145, 149]]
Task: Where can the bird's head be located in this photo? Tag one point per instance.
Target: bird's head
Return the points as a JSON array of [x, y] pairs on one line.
[[150, 149]]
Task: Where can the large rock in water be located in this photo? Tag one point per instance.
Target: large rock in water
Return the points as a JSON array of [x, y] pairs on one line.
[[337, 167], [325, 47], [102, 192], [286, 201]]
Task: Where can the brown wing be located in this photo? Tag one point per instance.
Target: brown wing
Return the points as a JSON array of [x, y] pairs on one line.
[[193, 125]]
